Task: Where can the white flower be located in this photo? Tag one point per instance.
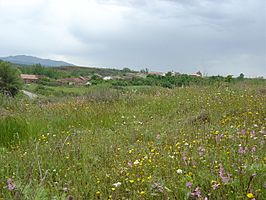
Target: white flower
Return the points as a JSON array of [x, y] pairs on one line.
[[136, 162], [117, 184], [179, 171]]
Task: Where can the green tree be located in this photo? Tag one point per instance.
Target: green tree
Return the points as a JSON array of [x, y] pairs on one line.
[[241, 76], [168, 74], [229, 78], [125, 69], [10, 81]]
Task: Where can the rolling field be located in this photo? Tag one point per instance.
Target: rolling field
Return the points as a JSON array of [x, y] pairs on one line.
[[138, 143]]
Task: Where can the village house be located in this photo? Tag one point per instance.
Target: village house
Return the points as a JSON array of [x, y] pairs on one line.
[[197, 74], [157, 73], [30, 78], [74, 81], [107, 78]]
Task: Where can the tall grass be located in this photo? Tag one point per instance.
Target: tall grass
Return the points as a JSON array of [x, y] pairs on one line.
[[137, 143]]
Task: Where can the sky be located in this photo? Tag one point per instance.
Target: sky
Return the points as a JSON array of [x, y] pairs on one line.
[[216, 37]]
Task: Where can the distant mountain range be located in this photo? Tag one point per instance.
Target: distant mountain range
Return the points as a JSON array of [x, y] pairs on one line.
[[30, 60]]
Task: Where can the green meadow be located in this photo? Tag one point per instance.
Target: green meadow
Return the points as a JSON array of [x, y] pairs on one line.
[[101, 142]]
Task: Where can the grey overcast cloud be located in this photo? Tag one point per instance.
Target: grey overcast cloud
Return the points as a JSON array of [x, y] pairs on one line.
[[213, 36]]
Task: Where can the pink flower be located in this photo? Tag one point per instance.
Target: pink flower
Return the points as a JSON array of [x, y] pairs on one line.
[[196, 192], [189, 184], [225, 177], [10, 185], [253, 150], [215, 186], [242, 150], [130, 164], [252, 134]]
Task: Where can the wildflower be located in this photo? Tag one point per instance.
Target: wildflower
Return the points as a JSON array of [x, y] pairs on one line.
[[98, 193], [65, 189], [130, 164], [136, 162], [252, 134], [253, 150], [250, 196], [142, 192], [225, 179], [189, 184], [215, 185], [10, 185], [196, 192], [158, 187], [179, 171], [242, 150], [117, 184], [201, 150]]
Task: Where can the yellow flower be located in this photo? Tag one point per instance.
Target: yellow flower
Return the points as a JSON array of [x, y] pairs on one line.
[[250, 195], [142, 192], [98, 193]]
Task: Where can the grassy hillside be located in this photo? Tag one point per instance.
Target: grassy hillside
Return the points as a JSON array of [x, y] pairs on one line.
[[136, 143], [63, 72]]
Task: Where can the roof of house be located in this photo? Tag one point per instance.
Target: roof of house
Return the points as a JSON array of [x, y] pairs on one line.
[[107, 78], [75, 80], [29, 76], [157, 73], [196, 74]]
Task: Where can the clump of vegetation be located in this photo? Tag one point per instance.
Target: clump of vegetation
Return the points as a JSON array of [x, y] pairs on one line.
[[201, 118], [10, 81]]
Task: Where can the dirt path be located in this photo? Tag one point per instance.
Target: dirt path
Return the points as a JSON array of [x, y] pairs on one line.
[[29, 94]]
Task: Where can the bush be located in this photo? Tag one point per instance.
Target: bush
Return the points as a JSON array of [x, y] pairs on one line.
[[10, 81]]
